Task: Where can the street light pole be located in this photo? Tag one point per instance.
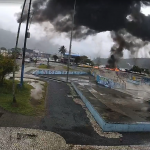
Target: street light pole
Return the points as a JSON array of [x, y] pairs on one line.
[[25, 43], [71, 40], [16, 46]]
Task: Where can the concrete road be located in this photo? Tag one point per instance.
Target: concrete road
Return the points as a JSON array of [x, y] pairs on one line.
[[69, 119]]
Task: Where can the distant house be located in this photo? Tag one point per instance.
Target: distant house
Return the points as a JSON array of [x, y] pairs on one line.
[[3, 52], [45, 55], [29, 53], [36, 53], [72, 57]]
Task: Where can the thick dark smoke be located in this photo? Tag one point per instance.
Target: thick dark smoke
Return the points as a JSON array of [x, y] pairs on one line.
[[93, 16], [124, 40], [116, 50], [96, 15], [140, 25]]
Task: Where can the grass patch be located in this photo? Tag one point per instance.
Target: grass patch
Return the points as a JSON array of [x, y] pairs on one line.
[[44, 66], [23, 98], [65, 68]]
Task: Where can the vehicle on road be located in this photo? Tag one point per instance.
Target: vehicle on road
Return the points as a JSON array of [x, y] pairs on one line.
[[44, 59], [27, 60]]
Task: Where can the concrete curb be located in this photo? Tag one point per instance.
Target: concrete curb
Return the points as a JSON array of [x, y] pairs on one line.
[[43, 77], [112, 127]]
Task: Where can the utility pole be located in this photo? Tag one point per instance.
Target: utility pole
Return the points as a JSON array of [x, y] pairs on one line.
[[25, 43], [16, 46], [71, 40]]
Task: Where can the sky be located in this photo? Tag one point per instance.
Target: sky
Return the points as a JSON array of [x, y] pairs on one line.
[[93, 46]]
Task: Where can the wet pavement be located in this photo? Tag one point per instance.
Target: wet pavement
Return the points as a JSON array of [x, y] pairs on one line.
[[63, 116], [113, 105], [69, 119]]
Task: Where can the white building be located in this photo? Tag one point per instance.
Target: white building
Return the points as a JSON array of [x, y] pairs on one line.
[[3, 52]]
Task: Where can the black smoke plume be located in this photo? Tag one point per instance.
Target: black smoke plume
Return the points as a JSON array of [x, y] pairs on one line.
[[93, 16], [137, 26], [117, 51]]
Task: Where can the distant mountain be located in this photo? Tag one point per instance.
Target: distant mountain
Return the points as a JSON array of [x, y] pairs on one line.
[[126, 63], [7, 39]]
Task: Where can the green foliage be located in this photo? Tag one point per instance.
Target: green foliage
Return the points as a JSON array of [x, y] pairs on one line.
[[65, 68], [140, 70], [136, 69], [62, 50], [6, 66], [43, 66], [77, 59], [16, 52], [55, 57], [84, 60], [147, 71], [23, 97]]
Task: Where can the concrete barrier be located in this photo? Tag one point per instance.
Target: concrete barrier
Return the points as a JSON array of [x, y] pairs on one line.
[[110, 83], [134, 81], [57, 72], [145, 80], [113, 127]]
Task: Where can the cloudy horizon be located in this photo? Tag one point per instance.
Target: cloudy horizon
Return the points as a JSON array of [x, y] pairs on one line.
[[93, 46]]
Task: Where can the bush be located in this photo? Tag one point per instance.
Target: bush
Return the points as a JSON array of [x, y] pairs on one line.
[[6, 66], [140, 70]]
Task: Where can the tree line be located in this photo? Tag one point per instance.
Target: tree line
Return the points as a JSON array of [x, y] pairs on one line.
[[6, 66], [139, 70], [78, 59]]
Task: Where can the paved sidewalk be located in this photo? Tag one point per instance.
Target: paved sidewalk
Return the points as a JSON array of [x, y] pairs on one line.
[[29, 139], [70, 120]]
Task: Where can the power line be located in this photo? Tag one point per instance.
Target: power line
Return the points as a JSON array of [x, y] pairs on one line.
[[14, 68], [25, 42], [70, 46], [14, 1], [31, 17]]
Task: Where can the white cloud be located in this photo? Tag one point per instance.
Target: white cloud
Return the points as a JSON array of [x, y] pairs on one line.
[[94, 46], [145, 10], [9, 21]]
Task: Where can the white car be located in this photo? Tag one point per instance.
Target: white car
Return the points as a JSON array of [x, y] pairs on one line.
[[27, 60], [44, 59]]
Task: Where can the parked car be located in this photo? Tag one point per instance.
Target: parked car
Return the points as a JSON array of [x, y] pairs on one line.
[[58, 60], [44, 59], [27, 60]]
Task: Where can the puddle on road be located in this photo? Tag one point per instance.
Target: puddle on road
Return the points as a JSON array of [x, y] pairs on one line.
[[87, 130]]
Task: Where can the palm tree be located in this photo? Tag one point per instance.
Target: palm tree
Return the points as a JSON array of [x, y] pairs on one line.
[[62, 50]]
